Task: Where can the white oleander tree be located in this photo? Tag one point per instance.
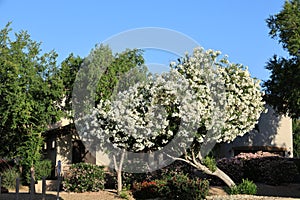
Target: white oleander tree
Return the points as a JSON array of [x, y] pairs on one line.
[[203, 100]]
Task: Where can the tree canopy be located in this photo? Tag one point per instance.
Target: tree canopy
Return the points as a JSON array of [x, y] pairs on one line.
[[201, 101], [29, 89], [283, 87]]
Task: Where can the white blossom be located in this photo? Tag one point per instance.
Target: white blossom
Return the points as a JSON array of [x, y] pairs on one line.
[[202, 91]]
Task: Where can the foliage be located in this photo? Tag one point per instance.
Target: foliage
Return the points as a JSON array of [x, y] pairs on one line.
[[273, 170], [210, 162], [101, 61], [246, 187], [233, 167], [227, 85], [28, 92], [149, 189], [286, 26], [43, 169], [296, 138], [182, 187], [29, 153], [224, 100], [164, 173], [68, 71], [125, 193], [9, 177], [283, 92], [83, 177], [6, 164], [178, 186], [140, 99], [282, 88]]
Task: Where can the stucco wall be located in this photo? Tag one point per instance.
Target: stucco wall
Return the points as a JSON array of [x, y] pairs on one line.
[[273, 130]]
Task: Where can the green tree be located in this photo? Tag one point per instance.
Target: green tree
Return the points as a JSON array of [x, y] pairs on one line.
[[296, 138], [100, 73], [29, 95], [282, 89], [68, 71], [115, 67]]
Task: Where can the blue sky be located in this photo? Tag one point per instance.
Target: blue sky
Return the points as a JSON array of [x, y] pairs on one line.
[[235, 27]]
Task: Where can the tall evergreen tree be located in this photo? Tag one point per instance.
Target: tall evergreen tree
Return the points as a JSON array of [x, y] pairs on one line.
[[283, 87]]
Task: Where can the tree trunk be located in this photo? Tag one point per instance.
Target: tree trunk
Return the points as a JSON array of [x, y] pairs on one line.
[[119, 179], [218, 173], [118, 169], [224, 177]]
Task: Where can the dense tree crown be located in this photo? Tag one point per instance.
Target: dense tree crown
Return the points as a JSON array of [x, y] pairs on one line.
[[283, 87], [29, 89], [203, 98]]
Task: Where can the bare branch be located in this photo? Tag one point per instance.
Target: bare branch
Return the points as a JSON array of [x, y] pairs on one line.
[[115, 163]]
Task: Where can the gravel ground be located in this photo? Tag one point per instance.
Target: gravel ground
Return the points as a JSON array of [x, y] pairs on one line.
[[265, 192], [102, 195], [246, 197]]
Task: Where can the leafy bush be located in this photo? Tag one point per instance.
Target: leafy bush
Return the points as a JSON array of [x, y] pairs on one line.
[[149, 189], [170, 170], [83, 177], [233, 167], [125, 193], [177, 186], [210, 163], [183, 187], [43, 169], [271, 170], [260, 167], [9, 177], [246, 187]]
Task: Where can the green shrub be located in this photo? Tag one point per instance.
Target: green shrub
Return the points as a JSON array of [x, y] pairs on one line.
[[181, 186], [210, 163], [9, 177], [161, 174], [43, 169], [246, 187], [124, 195], [83, 177]]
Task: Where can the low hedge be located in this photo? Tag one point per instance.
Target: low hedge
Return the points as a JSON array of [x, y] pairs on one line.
[[173, 186], [83, 177], [273, 170]]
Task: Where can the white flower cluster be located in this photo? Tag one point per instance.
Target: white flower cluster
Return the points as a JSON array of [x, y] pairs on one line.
[[243, 102], [198, 92]]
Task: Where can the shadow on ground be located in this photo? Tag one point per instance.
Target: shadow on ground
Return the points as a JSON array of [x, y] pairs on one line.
[[288, 190], [26, 196]]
